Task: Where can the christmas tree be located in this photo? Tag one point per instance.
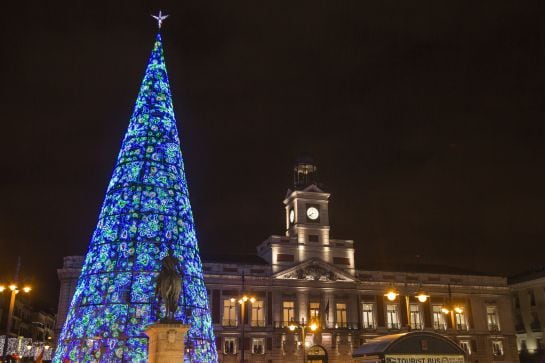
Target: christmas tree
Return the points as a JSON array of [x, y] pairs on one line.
[[146, 212]]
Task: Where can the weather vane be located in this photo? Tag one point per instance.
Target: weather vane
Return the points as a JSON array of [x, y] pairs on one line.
[[160, 17]]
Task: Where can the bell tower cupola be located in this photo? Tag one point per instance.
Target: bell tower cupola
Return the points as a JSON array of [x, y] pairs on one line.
[[305, 172]]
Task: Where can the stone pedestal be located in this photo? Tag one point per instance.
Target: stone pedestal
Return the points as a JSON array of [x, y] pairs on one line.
[[166, 342]]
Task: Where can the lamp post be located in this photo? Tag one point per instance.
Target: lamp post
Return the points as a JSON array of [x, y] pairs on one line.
[[14, 291], [392, 294], [450, 309], [303, 326], [242, 302]]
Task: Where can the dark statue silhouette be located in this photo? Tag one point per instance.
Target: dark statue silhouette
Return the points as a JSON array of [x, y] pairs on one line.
[[169, 285]]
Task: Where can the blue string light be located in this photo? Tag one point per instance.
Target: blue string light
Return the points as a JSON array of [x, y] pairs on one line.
[[146, 212]]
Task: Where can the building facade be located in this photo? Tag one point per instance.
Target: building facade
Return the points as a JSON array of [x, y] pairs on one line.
[[304, 300], [31, 328], [309, 280], [68, 277], [529, 314]]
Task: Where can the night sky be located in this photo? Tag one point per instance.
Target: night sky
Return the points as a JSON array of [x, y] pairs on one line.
[[426, 120]]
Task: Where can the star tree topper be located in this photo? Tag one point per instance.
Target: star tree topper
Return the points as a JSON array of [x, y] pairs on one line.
[[160, 17]]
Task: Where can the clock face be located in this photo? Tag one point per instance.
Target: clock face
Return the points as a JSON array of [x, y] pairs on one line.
[[313, 213], [292, 216]]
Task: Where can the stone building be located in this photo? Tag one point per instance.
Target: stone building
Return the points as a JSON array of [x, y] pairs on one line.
[[68, 278], [529, 313], [305, 279]]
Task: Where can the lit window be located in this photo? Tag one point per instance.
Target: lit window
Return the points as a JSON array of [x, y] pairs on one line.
[[229, 313], [392, 320], [497, 347], [415, 317], [492, 318], [466, 346], [258, 346], [314, 311], [460, 318], [288, 311], [258, 316], [438, 317], [341, 315], [230, 345], [368, 318]]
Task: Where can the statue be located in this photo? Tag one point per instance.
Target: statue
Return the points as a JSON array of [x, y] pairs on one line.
[[169, 284]]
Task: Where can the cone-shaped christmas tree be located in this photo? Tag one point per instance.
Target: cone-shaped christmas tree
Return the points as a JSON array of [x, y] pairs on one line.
[[146, 213]]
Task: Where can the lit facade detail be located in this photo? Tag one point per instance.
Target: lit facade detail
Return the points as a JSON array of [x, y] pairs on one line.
[[146, 212]]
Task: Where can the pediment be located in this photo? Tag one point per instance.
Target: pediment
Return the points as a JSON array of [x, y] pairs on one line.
[[314, 270]]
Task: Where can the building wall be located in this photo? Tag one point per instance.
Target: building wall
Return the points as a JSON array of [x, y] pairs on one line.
[[68, 277], [529, 313], [339, 338]]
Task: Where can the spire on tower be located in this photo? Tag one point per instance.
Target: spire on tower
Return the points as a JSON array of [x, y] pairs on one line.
[[305, 172]]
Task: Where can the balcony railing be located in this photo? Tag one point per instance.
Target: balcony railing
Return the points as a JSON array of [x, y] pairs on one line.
[[416, 325], [257, 323], [439, 326], [392, 325], [229, 323], [535, 326], [463, 327], [493, 327], [339, 325]]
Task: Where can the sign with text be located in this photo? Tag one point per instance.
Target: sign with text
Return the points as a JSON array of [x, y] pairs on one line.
[[423, 358]]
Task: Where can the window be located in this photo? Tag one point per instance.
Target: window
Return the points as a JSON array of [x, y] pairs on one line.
[[283, 257], [314, 311], [392, 321], [535, 325], [532, 297], [230, 345], [466, 346], [415, 317], [460, 318], [288, 312], [341, 315], [341, 261], [368, 318], [313, 238], [258, 346], [229, 313], [492, 318], [438, 318], [258, 314], [497, 347]]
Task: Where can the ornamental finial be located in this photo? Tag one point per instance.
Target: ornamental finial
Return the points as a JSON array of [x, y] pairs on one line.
[[160, 17]]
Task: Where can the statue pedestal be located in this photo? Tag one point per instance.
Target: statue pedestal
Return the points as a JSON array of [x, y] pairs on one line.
[[166, 342]]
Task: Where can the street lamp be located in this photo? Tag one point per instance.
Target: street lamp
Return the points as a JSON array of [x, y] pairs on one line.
[[421, 296], [312, 325], [242, 302], [14, 291]]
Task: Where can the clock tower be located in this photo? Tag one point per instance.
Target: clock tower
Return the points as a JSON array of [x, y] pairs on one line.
[[307, 216], [307, 226]]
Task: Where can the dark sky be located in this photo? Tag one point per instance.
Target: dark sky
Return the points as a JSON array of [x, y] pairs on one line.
[[426, 120]]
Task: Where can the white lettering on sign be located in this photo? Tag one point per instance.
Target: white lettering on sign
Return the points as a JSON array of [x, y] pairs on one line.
[[423, 358]]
